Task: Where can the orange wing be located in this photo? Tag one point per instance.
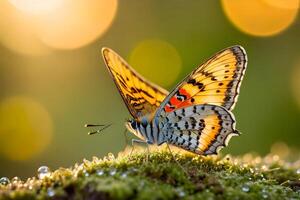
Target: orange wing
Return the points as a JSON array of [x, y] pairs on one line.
[[202, 129], [141, 97], [216, 82]]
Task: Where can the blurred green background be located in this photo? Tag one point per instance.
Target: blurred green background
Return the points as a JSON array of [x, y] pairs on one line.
[[53, 79]]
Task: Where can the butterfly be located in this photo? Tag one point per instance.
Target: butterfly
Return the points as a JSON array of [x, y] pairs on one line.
[[196, 115]]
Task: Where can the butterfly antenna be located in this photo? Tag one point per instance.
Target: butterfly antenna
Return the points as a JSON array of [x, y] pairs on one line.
[[93, 125], [97, 125]]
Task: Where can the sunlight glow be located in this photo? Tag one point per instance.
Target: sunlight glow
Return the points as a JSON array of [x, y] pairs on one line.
[[256, 17], [26, 128], [286, 4], [32, 26], [280, 149], [157, 60], [77, 23], [36, 6], [18, 31]]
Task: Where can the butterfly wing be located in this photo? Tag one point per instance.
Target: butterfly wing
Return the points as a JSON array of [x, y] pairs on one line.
[[201, 129], [216, 81], [196, 114], [141, 97]]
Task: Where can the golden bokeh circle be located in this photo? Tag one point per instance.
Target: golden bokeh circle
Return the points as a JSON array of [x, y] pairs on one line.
[[286, 4], [258, 17], [77, 23], [32, 26], [157, 60], [25, 128], [18, 31], [36, 7], [281, 149]]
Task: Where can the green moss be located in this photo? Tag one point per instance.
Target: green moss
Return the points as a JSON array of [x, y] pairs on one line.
[[158, 176]]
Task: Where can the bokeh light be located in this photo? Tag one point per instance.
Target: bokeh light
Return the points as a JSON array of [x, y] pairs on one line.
[[157, 60], [76, 23], [18, 31], [286, 4], [36, 6], [281, 149], [32, 26], [261, 17], [26, 128]]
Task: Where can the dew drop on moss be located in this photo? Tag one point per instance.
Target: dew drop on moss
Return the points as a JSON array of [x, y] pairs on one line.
[[43, 172], [4, 181], [50, 192], [180, 192], [264, 194], [112, 172], [100, 172], [133, 170], [245, 188], [124, 175], [85, 173]]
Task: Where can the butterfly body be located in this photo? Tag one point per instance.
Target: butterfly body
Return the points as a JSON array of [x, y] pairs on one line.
[[146, 130], [196, 115]]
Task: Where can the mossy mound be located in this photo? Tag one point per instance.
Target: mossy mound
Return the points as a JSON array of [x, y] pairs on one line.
[[158, 176]]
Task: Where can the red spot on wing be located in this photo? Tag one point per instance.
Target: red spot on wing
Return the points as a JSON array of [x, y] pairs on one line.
[[184, 92], [175, 103], [168, 109]]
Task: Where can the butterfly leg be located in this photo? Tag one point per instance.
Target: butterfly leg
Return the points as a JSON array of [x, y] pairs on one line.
[[135, 141], [126, 137], [173, 157]]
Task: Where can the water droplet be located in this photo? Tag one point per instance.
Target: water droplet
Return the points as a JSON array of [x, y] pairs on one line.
[[245, 188], [133, 170], [298, 171], [85, 173], [228, 157], [43, 172], [124, 175], [50, 192], [180, 192], [113, 172], [4, 181], [141, 185], [264, 193], [100, 172]]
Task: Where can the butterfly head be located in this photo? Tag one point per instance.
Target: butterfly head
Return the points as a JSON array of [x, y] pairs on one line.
[[131, 125]]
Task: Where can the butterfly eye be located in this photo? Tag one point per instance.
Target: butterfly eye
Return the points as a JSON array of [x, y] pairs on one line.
[[133, 125]]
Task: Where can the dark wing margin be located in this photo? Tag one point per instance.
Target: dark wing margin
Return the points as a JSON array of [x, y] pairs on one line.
[[216, 81]]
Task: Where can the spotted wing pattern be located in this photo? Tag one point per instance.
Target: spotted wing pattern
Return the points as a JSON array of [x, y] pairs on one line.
[[217, 82], [201, 129], [141, 97]]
